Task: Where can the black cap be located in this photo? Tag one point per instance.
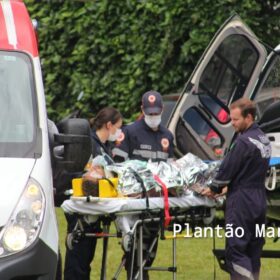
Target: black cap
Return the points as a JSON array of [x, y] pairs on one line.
[[152, 102]]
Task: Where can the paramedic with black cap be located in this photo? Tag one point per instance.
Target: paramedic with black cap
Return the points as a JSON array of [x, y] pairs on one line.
[[146, 139], [243, 171]]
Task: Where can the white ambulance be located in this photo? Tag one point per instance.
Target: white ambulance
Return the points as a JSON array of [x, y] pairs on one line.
[[28, 228]]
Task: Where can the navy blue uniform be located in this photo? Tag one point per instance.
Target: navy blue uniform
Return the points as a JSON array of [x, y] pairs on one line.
[[78, 260], [244, 170], [142, 143]]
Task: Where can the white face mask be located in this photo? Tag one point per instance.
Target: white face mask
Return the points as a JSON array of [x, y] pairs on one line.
[[153, 121], [115, 136]]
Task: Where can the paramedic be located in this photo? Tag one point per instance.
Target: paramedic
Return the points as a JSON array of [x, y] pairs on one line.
[[105, 130], [243, 171], [146, 139]]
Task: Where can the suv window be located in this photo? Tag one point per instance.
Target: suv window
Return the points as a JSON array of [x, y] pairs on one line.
[[203, 128], [221, 114], [228, 72]]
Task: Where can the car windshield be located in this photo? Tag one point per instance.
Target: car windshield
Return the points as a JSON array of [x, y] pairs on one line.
[[18, 113]]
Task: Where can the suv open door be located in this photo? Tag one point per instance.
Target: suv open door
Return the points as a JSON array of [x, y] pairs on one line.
[[228, 70]]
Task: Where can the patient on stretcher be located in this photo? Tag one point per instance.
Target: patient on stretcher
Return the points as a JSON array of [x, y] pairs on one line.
[[140, 179], [188, 173]]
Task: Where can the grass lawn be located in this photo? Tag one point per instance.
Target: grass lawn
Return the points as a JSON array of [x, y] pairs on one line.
[[194, 258]]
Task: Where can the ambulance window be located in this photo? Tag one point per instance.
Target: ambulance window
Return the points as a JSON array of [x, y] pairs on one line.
[[203, 128], [17, 102], [228, 72], [269, 93]]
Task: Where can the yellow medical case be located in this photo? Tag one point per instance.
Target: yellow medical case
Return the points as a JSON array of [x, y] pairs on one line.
[[105, 188]]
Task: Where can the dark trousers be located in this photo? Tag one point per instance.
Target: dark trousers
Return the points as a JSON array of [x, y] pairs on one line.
[[150, 232], [243, 253], [78, 260]]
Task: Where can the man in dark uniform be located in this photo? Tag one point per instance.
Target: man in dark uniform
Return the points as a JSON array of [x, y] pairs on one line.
[[243, 171], [146, 139]]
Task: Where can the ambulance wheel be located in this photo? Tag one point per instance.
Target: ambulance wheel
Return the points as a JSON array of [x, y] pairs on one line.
[[69, 241]]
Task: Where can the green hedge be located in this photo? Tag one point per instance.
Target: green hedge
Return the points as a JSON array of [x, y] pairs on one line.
[[115, 50]]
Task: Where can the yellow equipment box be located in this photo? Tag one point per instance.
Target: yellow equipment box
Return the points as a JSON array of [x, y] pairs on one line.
[[77, 187], [108, 187], [105, 188]]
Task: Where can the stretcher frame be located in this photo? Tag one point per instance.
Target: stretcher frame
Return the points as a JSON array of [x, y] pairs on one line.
[[193, 214]]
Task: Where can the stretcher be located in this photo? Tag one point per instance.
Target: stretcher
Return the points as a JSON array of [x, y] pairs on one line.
[[131, 215]]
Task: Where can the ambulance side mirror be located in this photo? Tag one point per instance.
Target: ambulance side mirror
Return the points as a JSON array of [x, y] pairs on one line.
[[74, 136]]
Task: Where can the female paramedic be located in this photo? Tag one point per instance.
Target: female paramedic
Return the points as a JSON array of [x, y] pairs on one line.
[[105, 130]]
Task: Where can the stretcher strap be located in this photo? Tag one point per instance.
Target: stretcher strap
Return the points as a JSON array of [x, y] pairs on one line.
[[166, 203], [139, 179]]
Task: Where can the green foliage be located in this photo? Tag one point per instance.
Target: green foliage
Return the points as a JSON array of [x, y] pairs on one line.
[[116, 50]]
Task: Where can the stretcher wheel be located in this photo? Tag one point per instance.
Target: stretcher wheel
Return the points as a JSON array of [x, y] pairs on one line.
[[73, 238], [126, 242], [69, 241]]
